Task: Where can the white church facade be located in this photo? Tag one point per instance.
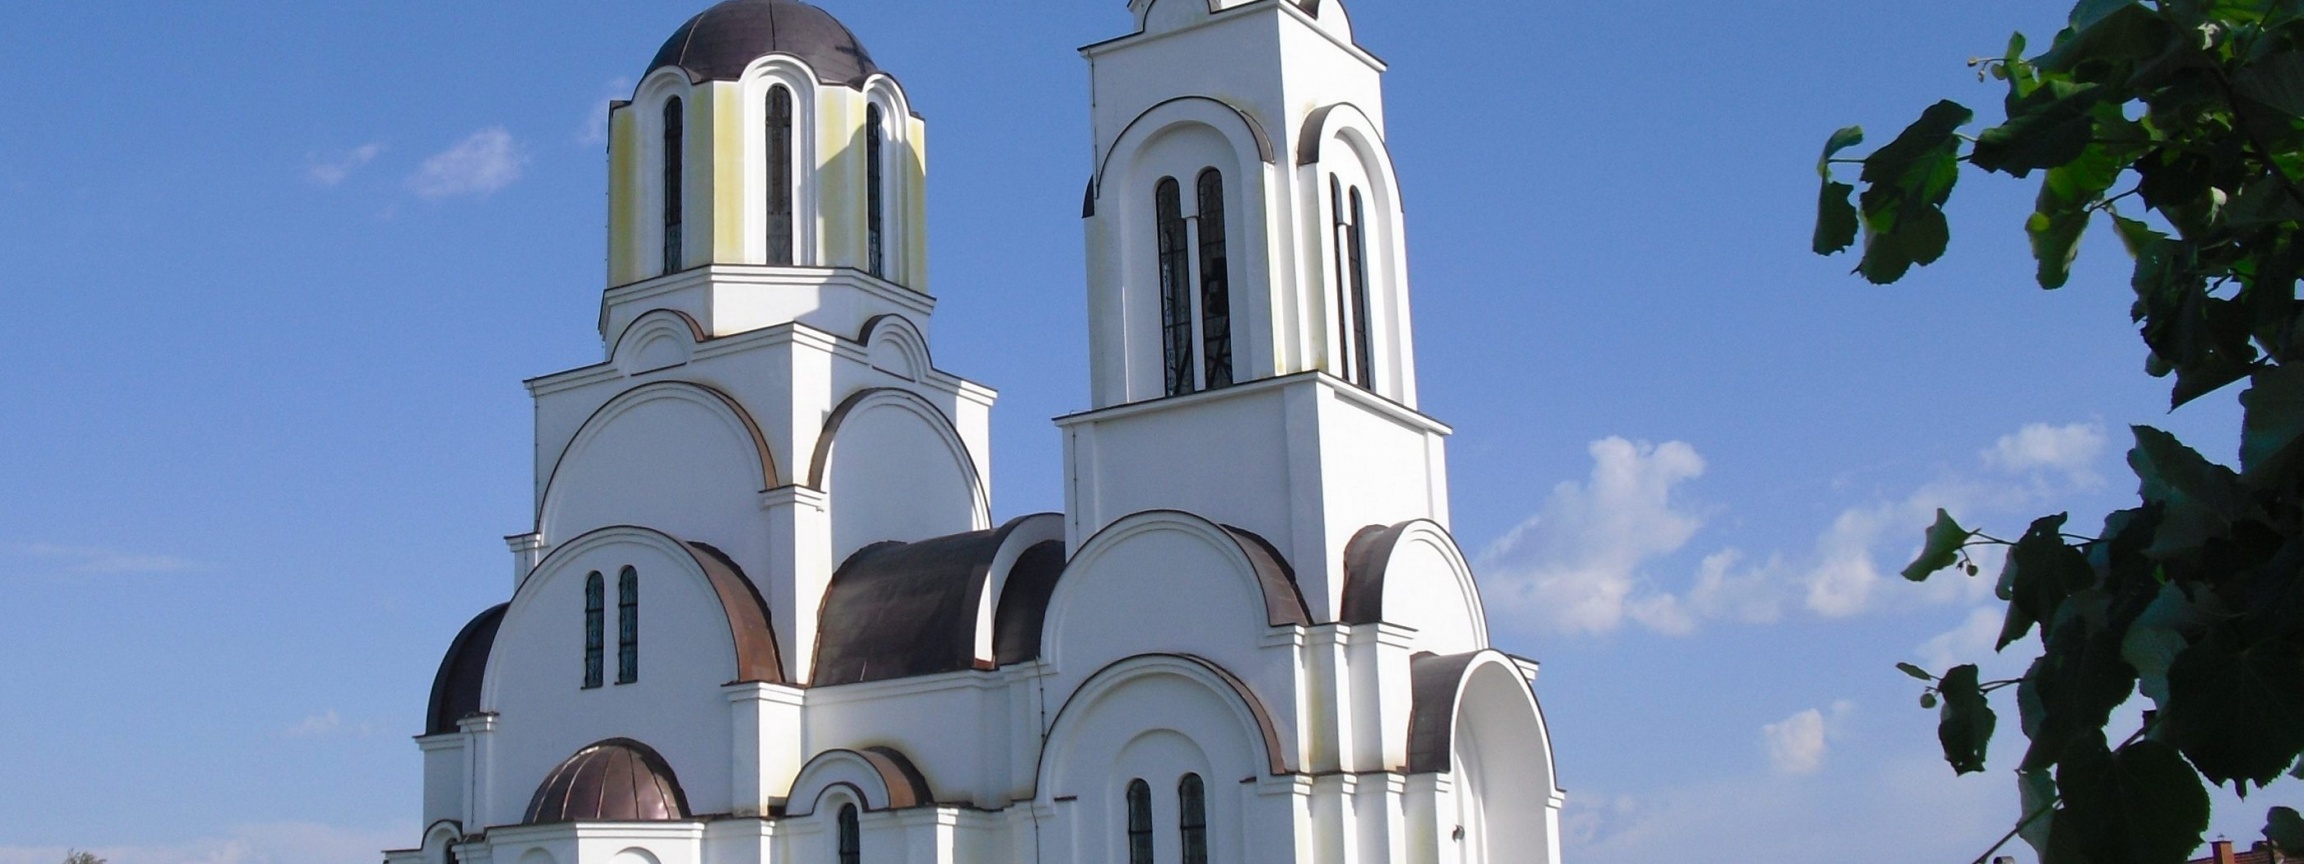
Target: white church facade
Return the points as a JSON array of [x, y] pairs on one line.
[[763, 614]]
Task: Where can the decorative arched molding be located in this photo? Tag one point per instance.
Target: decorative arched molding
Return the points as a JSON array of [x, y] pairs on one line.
[[658, 339], [827, 442], [1368, 562], [902, 163], [1253, 720], [1253, 558], [1341, 139], [438, 836], [721, 404], [1236, 125], [644, 201], [751, 629], [895, 345], [881, 778], [899, 610], [1441, 686], [800, 79]]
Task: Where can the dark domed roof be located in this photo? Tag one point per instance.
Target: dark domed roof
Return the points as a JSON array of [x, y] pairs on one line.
[[717, 44], [617, 780]]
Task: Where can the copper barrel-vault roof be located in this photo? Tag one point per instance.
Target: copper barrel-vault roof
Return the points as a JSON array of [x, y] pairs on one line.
[[1023, 607], [757, 656], [1435, 681], [618, 780], [720, 42], [456, 687], [896, 610]]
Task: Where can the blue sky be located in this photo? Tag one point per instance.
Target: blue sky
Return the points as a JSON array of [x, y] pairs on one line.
[[271, 276]]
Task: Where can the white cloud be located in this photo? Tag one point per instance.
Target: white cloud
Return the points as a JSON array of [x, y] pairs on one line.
[[277, 843], [96, 561], [1576, 565], [1582, 564], [1797, 744], [487, 161], [596, 121], [2071, 450], [335, 169], [317, 725]]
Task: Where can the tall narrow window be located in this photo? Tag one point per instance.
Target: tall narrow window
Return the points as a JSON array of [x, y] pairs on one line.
[[1139, 822], [1340, 233], [779, 175], [1215, 283], [595, 619], [1175, 288], [675, 135], [875, 186], [1364, 358], [628, 626], [1192, 816], [851, 836]]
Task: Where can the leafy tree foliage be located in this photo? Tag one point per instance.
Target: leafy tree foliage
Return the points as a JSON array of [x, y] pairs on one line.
[[78, 857], [2178, 124]]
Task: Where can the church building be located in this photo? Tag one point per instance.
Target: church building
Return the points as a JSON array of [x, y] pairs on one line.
[[764, 615]]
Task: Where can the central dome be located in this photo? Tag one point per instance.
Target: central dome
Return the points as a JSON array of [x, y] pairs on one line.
[[719, 43]]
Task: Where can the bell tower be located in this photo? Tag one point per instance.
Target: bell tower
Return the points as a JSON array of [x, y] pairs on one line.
[[1249, 338]]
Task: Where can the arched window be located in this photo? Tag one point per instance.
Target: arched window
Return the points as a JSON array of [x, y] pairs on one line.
[[595, 614], [628, 626], [851, 836], [780, 175], [1364, 359], [1139, 822], [1175, 288], [875, 188], [675, 135], [1215, 283], [1192, 810]]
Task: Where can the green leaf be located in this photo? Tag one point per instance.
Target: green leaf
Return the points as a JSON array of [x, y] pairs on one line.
[[1841, 140], [2048, 127], [2041, 572], [2199, 499], [2141, 805], [2087, 12], [2055, 244], [2157, 636], [2285, 828], [1941, 550], [1907, 183], [1965, 725], [2273, 421], [1915, 671], [2077, 681], [2277, 82], [1836, 222], [2037, 792], [2237, 709]]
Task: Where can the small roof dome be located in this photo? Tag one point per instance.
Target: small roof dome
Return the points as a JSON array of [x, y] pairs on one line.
[[618, 780], [720, 42]]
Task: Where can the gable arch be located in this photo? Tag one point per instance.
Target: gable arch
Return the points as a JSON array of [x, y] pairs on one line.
[[908, 477], [751, 630], [1413, 574], [736, 435], [895, 345], [1475, 718], [658, 339], [1222, 591], [880, 778]]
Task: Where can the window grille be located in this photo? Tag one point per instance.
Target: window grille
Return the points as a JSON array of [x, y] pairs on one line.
[[628, 626], [594, 621], [875, 204], [1175, 289], [1139, 822], [1192, 810], [1215, 283], [851, 836], [1364, 359], [675, 129], [780, 175]]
